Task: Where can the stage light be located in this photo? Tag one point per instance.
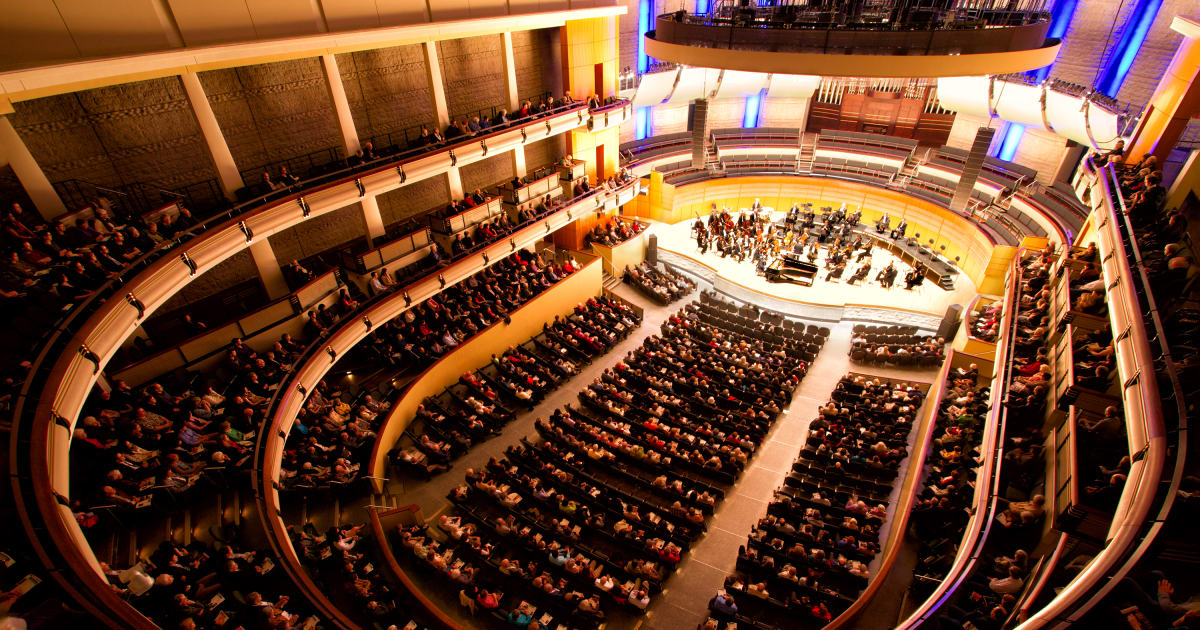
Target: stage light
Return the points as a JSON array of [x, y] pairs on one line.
[[642, 121], [1060, 19], [1136, 27], [1012, 138], [750, 116], [644, 10]]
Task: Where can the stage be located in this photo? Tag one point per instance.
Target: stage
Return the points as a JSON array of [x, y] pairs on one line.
[[827, 300]]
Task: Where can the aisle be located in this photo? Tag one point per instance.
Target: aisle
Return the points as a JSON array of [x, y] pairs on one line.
[[684, 602]]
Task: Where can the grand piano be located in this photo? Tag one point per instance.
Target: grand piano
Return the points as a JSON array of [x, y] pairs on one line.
[[791, 268]]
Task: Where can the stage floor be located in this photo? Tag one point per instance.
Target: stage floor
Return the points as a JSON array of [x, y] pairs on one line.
[[927, 298]]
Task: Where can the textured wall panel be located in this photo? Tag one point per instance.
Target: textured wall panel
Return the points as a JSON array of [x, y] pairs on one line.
[[387, 90], [487, 173], [320, 234], [531, 56], [237, 269], [543, 152], [473, 71], [134, 132], [402, 203], [271, 112]]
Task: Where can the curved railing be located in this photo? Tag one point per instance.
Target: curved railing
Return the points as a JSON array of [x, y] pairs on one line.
[[1133, 529], [676, 151], [320, 356], [987, 477], [81, 344]]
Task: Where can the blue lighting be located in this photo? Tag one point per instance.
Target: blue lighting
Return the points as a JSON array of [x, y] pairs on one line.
[[750, 118], [1136, 28], [1060, 19], [1012, 139], [701, 7], [643, 123], [644, 7]]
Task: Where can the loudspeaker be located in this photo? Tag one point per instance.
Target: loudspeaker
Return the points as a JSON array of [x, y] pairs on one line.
[[949, 325], [699, 131], [652, 250]]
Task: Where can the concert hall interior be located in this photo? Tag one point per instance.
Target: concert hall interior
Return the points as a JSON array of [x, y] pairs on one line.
[[600, 314]]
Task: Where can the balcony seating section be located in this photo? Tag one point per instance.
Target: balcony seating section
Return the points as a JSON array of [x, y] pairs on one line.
[[940, 516], [807, 560]]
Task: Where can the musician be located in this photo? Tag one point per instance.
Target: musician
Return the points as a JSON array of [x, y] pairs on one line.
[[881, 225], [900, 230], [915, 277], [860, 274], [836, 272], [810, 218], [865, 254], [812, 253], [887, 276], [853, 219]]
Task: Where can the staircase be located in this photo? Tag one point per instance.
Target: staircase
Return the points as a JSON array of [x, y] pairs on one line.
[[808, 153], [610, 281], [712, 161]]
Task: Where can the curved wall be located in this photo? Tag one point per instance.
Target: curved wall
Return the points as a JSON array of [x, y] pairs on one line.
[[982, 260]]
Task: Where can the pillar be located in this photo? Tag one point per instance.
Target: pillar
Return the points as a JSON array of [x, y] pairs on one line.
[[454, 182], [518, 161], [268, 269], [337, 93], [589, 54], [218, 150], [510, 72], [1175, 100], [437, 88], [31, 176], [372, 218]]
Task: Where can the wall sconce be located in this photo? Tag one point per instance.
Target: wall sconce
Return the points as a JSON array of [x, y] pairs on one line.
[[304, 209], [512, 245], [367, 322], [523, 136], [332, 353], [407, 300], [483, 145], [403, 175], [442, 280], [362, 190], [485, 258], [453, 158], [245, 230], [548, 129], [300, 388]]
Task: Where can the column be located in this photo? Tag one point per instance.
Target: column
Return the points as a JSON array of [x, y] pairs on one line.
[[268, 269], [337, 93], [590, 45], [454, 182], [373, 218], [437, 89], [227, 170], [31, 176], [341, 105], [510, 72], [518, 161], [1175, 100]]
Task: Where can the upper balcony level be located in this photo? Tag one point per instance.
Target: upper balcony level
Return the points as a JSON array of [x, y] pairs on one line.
[[860, 38]]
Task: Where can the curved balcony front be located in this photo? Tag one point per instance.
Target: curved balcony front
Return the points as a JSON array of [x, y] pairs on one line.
[[962, 48]]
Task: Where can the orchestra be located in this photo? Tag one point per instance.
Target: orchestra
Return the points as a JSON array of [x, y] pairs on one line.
[[750, 235]]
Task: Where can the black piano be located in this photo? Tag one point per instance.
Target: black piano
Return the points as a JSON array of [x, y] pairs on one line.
[[792, 268]]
